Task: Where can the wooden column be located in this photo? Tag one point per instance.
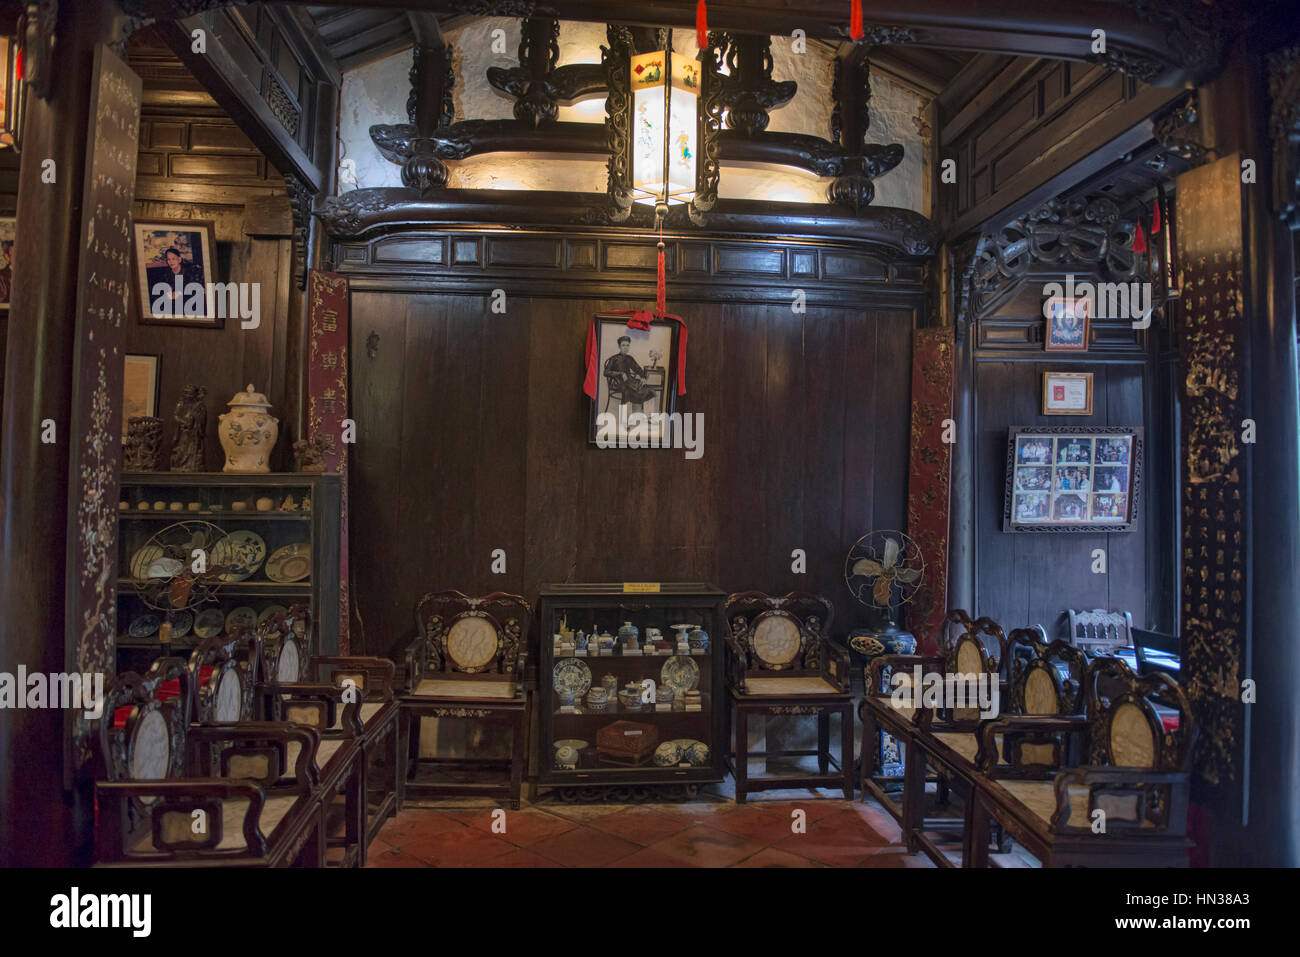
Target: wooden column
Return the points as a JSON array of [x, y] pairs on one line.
[[39, 822], [1256, 820]]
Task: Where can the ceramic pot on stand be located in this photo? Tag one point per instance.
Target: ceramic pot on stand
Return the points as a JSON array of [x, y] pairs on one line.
[[248, 433]]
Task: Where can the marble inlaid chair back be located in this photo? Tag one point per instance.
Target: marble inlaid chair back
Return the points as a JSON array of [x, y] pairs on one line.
[[472, 635], [1100, 632], [1050, 681], [222, 679], [779, 634], [980, 649], [1126, 730], [142, 733], [283, 646]]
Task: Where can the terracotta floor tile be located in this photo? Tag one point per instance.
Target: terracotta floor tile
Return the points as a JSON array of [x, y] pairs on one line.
[[523, 827], [580, 813], [814, 808], [459, 848], [651, 857], [391, 857], [708, 846], [895, 857], [847, 827], [519, 857], [771, 857], [584, 847], [754, 825], [641, 825], [413, 825], [836, 846]]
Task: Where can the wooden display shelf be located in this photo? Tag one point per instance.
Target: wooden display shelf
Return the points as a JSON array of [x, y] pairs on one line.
[[132, 514], [126, 588]]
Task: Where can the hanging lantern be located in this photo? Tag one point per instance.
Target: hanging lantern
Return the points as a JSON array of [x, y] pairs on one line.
[[665, 128], [10, 91]]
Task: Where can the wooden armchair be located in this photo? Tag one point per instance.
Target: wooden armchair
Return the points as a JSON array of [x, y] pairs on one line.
[[779, 662], [1134, 787], [1100, 632], [170, 792], [468, 662], [350, 702]]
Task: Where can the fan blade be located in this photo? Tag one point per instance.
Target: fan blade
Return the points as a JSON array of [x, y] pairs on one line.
[[907, 575], [880, 592], [868, 568], [892, 548]]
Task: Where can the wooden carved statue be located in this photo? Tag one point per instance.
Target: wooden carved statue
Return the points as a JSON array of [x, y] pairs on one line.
[[142, 449], [191, 427], [310, 454]]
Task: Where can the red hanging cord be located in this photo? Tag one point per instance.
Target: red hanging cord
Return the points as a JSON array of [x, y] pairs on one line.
[[661, 286], [1155, 218], [701, 25], [855, 20]]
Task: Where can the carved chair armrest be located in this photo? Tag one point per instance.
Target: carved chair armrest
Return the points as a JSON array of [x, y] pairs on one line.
[[836, 664], [1038, 729], [181, 796], [380, 671], [329, 722], [877, 665], [243, 733], [737, 662], [416, 660], [1162, 796], [521, 669]]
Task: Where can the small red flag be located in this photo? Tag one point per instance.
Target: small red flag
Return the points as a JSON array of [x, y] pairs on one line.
[[1139, 240], [855, 20], [701, 25]]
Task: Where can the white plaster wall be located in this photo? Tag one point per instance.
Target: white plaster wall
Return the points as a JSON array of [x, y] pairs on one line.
[[376, 93]]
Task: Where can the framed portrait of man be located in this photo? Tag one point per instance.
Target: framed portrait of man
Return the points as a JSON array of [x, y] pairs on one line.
[[174, 263], [636, 389]]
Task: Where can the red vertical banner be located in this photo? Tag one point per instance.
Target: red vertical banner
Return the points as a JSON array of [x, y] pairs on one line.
[[327, 404], [929, 478]]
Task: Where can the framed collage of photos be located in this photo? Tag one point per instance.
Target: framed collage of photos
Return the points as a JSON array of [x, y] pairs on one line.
[[1072, 479]]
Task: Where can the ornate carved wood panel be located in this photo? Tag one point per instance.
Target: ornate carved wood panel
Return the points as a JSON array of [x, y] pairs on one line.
[[1214, 529], [928, 482]]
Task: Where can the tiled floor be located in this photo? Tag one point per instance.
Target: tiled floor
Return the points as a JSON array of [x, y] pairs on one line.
[[714, 833]]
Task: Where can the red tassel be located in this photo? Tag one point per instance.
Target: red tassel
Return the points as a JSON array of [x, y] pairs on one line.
[[1155, 219], [701, 25], [855, 20], [661, 288], [1139, 240]]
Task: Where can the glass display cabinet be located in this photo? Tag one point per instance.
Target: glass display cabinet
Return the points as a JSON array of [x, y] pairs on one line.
[[200, 554], [630, 684]]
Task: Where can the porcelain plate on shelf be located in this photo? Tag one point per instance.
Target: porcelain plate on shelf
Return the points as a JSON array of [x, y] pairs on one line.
[[243, 551], [268, 611], [241, 617], [572, 676], [209, 623], [289, 564], [142, 626], [681, 674]]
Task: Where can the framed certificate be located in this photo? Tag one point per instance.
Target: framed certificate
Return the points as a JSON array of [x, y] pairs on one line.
[[1067, 393]]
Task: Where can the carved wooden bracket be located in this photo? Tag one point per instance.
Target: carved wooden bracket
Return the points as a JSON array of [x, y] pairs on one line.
[[1179, 132], [1083, 231], [421, 145], [749, 92], [300, 202], [854, 186], [37, 24], [537, 85]]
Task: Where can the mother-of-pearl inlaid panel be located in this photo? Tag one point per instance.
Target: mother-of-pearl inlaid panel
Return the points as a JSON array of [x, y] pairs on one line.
[[228, 698], [151, 749], [472, 642], [776, 640]]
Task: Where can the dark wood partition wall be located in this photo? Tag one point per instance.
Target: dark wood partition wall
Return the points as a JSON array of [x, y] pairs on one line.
[[472, 426]]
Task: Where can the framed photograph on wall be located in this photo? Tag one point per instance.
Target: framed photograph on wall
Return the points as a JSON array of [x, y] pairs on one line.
[[8, 225], [1067, 393], [1072, 479], [139, 387], [1067, 324], [174, 262], [636, 390]]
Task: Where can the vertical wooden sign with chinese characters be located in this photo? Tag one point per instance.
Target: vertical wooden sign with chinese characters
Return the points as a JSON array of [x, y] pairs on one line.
[[103, 281], [1210, 278], [327, 404], [929, 478]]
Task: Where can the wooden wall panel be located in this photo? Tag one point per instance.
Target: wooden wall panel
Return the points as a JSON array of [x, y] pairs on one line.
[[472, 436]]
